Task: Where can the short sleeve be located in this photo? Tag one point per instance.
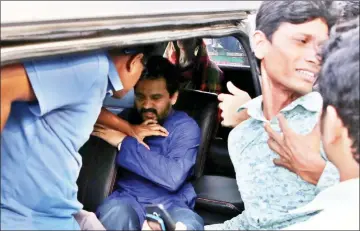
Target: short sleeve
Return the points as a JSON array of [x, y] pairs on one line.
[[65, 81]]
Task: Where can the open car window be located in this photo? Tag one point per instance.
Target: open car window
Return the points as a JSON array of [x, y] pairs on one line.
[[227, 52]]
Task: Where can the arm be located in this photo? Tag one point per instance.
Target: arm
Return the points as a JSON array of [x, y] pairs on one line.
[[48, 79], [15, 86], [112, 121], [168, 170]]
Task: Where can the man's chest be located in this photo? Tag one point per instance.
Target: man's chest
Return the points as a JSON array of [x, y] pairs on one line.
[[248, 142]]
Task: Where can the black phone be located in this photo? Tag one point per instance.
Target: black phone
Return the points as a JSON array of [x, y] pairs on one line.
[[158, 214]]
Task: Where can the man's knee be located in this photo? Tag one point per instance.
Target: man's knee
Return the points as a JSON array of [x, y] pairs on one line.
[[118, 216], [88, 221], [187, 216]]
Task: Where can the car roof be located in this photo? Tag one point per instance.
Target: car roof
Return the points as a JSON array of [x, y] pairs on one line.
[[31, 11], [40, 29]]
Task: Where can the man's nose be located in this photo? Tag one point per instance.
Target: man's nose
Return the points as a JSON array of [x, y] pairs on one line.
[[147, 104], [313, 55]]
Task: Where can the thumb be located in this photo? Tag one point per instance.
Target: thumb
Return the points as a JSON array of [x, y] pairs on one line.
[[233, 90], [180, 226]]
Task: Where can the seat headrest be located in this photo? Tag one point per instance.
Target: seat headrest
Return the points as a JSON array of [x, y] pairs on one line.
[[194, 102]]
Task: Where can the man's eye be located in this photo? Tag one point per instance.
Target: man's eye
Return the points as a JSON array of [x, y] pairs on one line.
[[302, 41]]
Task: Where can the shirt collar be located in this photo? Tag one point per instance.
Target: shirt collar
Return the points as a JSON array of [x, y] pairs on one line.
[[114, 78], [311, 102], [341, 194]]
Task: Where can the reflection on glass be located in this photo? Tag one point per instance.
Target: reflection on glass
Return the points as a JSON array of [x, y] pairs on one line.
[[227, 51]]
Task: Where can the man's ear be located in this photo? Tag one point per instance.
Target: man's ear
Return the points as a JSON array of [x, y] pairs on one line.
[[174, 98], [333, 127], [134, 63], [261, 44]]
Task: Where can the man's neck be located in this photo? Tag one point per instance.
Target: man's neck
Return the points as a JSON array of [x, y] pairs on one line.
[[275, 96], [349, 170]]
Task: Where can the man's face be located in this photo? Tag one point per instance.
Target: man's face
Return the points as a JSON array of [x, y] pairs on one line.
[[129, 69], [291, 59], [336, 140], [152, 100]]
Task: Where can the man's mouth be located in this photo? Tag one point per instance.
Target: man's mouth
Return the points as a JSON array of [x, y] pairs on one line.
[[307, 75]]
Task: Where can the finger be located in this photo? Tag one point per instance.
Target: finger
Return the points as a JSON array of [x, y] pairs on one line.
[[156, 127], [316, 130], [232, 89], [145, 226], [273, 134], [273, 145], [100, 125], [284, 125], [97, 134], [222, 97], [149, 121], [283, 163], [221, 106], [143, 143], [100, 130], [155, 133], [154, 225], [180, 226]]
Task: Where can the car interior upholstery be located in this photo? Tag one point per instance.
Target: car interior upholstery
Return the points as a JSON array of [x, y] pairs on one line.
[[214, 177]]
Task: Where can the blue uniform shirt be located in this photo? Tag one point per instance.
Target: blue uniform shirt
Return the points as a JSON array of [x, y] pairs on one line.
[[40, 162]]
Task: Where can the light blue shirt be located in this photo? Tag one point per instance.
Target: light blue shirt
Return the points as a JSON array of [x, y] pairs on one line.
[[40, 162], [269, 192]]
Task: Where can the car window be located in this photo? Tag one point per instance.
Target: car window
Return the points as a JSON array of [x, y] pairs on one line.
[[227, 51]]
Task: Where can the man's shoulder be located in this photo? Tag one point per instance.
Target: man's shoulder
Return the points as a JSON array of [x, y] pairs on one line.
[[182, 119]]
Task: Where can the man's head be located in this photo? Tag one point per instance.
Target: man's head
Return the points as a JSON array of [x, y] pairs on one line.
[[339, 87], [287, 40], [350, 10], [129, 63], [157, 89]]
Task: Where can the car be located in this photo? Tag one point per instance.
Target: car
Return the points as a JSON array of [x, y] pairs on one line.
[[45, 29]]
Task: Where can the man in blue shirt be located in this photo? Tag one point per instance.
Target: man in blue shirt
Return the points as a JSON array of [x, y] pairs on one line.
[[158, 175], [48, 110]]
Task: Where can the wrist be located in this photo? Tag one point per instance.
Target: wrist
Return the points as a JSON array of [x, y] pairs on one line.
[[313, 176]]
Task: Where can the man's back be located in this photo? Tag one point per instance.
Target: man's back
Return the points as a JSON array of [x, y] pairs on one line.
[[39, 144]]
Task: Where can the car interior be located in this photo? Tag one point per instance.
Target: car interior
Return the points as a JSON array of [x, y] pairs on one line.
[[214, 177]]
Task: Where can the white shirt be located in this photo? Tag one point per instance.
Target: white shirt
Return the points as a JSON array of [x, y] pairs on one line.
[[339, 206]]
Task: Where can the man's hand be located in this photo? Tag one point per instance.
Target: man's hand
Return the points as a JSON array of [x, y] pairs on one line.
[[155, 226], [298, 153], [230, 103], [111, 136], [148, 128]]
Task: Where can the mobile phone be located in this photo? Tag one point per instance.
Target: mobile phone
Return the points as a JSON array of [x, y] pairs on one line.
[[158, 214]]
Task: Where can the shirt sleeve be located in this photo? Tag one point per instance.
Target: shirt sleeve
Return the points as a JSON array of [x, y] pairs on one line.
[[169, 170], [329, 177], [65, 80]]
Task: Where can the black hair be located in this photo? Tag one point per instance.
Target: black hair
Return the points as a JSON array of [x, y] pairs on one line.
[[272, 13], [339, 77], [146, 50], [350, 10], [159, 67]]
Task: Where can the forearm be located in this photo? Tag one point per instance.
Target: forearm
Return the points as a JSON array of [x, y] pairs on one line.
[[112, 121], [166, 172], [5, 111]]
